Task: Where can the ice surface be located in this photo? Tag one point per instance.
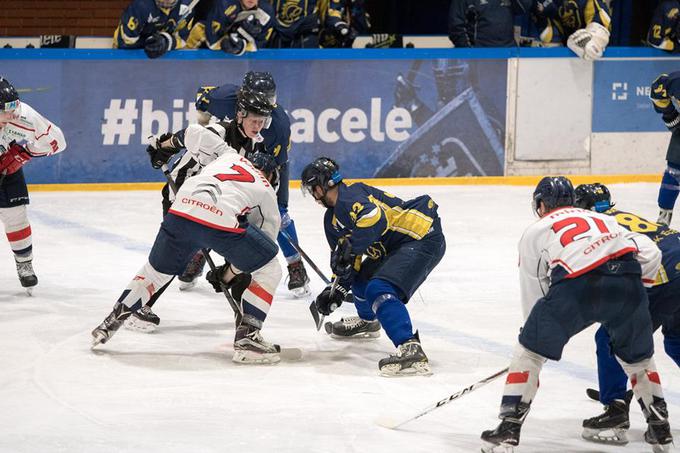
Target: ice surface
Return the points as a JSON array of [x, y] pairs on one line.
[[176, 390]]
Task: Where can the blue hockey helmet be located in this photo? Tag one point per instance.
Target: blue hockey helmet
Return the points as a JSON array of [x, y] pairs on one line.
[[266, 163], [322, 172], [261, 82], [554, 192], [595, 197]]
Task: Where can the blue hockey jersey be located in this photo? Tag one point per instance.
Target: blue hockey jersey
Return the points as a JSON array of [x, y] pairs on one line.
[[143, 18]]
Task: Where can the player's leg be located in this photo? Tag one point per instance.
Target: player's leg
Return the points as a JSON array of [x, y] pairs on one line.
[[13, 214], [664, 306], [298, 281], [170, 252], [253, 253], [611, 425], [670, 183], [364, 325]]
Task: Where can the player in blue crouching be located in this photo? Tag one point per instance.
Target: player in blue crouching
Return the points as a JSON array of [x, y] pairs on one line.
[[402, 242]]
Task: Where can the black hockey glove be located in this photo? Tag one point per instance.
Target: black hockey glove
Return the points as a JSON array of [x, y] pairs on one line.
[[160, 155], [342, 260], [327, 303], [672, 120], [233, 44], [249, 29], [157, 44], [344, 34], [236, 285]]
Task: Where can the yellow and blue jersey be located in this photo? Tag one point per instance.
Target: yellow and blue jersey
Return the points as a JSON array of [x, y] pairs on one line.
[[143, 18], [221, 102], [377, 222], [224, 17], [667, 239], [292, 16], [665, 92], [560, 18], [662, 29]]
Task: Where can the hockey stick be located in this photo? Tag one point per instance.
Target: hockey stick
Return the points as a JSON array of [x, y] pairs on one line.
[[391, 424], [238, 313], [189, 10]]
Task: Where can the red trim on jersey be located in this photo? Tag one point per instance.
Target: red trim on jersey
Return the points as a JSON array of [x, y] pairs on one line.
[[260, 292], [596, 263], [22, 127], [517, 378], [19, 235], [654, 377], [633, 380], [648, 281], [563, 264], [206, 223], [37, 137]]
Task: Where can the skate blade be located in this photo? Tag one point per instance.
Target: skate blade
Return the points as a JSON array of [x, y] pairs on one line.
[[417, 369], [137, 325], [97, 339], [359, 336], [658, 448], [256, 358], [611, 436], [301, 292], [488, 447], [29, 290], [187, 286]]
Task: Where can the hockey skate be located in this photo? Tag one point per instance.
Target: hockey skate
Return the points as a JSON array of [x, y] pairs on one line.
[[194, 270], [410, 360], [298, 281], [27, 276], [506, 435], [251, 348], [609, 427], [665, 216], [103, 333], [658, 433], [353, 327], [143, 320]]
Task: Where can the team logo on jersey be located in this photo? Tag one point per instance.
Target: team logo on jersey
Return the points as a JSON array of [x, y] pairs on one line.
[[291, 11], [376, 250], [151, 19], [132, 23], [569, 14]]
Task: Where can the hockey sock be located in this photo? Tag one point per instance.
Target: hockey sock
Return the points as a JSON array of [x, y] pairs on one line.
[[670, 187], [142, 287], [18, 232], [390, 311], [288, 226], [258, 296], [610, 376], [672, 346], [521, 384], [362, 305], [645, 382]]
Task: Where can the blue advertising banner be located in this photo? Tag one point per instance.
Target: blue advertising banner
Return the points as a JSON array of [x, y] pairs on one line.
[[378, 118], [621, 94]]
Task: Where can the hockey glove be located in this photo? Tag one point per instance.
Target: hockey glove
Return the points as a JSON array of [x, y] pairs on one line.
[[13, 159], [158, 44], [234, 44], [342, 260], [160, 153], [344, 34], [249, 29], [236, 286], [327, 303]]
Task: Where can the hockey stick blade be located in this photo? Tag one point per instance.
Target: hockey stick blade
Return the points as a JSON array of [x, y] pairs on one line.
[[318, 318], [389, 423], [291, 354]]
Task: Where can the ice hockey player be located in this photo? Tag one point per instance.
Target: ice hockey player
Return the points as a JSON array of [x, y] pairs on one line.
[[577, 268], [664, 307], [253, 111], [219, 103], [299, 25], [402, 241], [583, 25], [663, 28], [230, 207], [665, 95], [24, 134], [234, 26], [154, 25]]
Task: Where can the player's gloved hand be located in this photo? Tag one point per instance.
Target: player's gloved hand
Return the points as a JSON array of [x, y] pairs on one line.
[[577, 42], [160, 154], [309, 24], [215, 277], [157, 44], [672, 120], [327, 303], [342, 259], [14, 158], [344, 34], [249, 29], [234, 44]]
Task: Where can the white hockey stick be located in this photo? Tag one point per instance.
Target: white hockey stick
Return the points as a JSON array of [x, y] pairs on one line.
[[389, 423]]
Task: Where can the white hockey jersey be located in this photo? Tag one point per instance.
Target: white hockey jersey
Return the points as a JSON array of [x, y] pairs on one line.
[[578, 241], [34, 132], [224, 190]]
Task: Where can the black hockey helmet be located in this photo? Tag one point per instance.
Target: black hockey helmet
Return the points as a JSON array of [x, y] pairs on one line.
[[595, 197], [266, 163], [322, 172], [261, 82], [555, 192], [9, 98], [166, 4], [249, 101]]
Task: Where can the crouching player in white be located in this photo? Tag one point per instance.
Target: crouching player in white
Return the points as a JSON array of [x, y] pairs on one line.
[[230, 207], [24, 134], [577, 268]]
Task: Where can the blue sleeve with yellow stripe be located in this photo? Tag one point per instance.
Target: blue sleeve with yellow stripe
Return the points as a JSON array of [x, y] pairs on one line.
[[218, 101], [277, 135], [662, 28], [597, 11], [131, 25], [665, 92]]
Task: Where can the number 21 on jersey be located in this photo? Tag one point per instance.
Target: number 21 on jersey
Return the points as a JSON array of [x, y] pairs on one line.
[[572, 227]]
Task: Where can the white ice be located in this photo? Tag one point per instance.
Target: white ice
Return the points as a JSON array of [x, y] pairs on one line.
[[176, 390]]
